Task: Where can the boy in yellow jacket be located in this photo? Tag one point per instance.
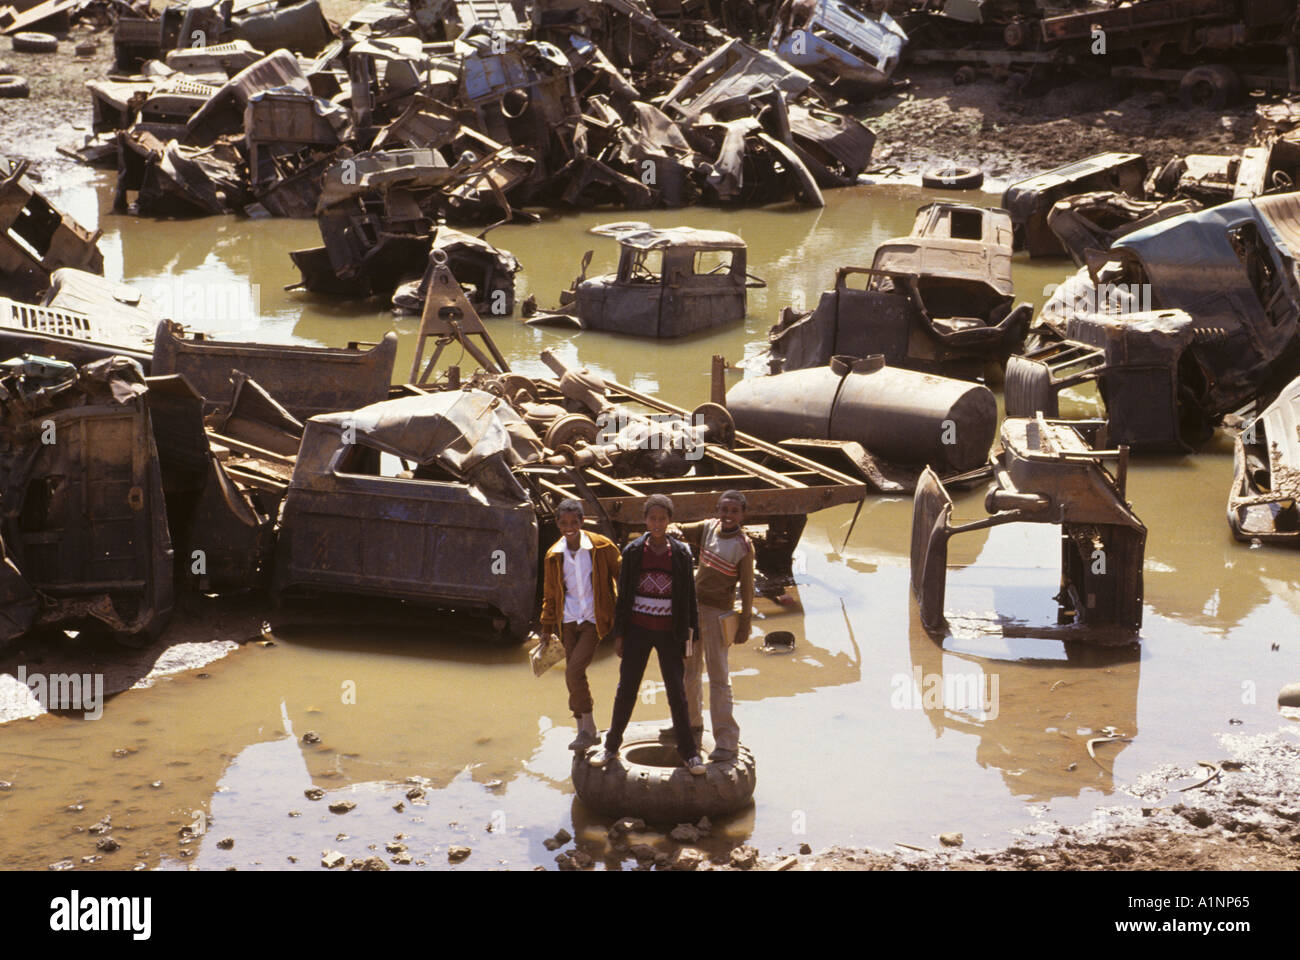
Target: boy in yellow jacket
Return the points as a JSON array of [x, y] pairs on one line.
[[578, 594]]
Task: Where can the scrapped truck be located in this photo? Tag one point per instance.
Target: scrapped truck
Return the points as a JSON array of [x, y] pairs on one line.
[[669, 283], [939, 300], [414, 498], [1179, 324], [850, 53], [1030, 201], [1046, 471], [1263, 503]]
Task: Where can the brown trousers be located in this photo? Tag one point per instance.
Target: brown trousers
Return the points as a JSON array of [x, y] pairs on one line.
[[579, 647]]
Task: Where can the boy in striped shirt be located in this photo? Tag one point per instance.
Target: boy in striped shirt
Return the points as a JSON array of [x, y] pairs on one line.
[[726, 562]]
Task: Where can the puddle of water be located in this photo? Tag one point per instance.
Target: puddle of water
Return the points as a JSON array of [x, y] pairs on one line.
[[869, 733]]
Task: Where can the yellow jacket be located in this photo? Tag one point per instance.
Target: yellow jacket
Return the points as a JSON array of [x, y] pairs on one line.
[[605, 561]]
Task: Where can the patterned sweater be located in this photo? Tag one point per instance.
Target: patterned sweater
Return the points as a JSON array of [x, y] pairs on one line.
[[652, 607]]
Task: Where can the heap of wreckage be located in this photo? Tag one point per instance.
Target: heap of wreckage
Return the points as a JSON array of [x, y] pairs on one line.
[[1185, 313], [420, 113], [128, 476]]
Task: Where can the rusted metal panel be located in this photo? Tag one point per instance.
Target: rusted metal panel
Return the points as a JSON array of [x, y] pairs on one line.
[[449, 533], [85, 520], [1046, 472], [306, 380]]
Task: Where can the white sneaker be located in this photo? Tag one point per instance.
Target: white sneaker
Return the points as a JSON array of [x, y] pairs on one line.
[[695, 765], [602, 757]]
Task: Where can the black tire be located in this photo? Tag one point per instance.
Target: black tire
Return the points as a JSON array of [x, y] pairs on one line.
[[952, 177], [648, 781], [35, 43], [12, 87], [964, 75], [1211, 87]]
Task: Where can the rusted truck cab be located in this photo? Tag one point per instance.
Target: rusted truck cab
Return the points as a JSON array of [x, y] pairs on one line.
[[939, 300], [455, 532], [669, 283]]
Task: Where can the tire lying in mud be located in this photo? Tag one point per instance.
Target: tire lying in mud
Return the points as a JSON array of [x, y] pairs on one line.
[[12, 87], [648, 781], [1214, 86], [35, 43], [952, 177]]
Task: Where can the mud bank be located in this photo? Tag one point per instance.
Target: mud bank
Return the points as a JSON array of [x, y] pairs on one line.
[[931, 121], [202, 631]]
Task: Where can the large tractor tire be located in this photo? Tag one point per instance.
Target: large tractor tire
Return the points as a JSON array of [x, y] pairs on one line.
[[648, 781]]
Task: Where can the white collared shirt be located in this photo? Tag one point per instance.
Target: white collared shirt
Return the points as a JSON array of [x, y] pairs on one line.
[[579, 599]]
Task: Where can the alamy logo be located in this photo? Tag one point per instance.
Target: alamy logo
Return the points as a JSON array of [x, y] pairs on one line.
[[74, 913], [957, 692], [66, 691], [656, 431]]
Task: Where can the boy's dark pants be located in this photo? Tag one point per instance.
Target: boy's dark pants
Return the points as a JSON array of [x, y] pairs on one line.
[[636, 653]]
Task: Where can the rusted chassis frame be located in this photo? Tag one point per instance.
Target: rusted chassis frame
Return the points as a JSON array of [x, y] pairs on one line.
[[781, 487]]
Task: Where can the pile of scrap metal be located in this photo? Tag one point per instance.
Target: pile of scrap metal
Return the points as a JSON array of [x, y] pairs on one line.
[[435, 493], [939, 300], [1089, 204], [669, 283], [1180, 324], [854, 54], [1271, 167], [1264, 503], [461, 110], [36, 238], [1046, 471]]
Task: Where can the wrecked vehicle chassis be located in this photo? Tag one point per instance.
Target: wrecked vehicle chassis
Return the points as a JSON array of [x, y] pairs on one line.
[[1046, 472]]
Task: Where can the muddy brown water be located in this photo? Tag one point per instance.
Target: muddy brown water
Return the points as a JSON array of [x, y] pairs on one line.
[[867, 734]]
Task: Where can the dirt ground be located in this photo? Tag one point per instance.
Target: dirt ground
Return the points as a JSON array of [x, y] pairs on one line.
[[932, 121]]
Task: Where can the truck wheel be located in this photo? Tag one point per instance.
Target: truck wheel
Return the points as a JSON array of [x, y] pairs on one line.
[[12, 87], [952, 177], [35, 43], [648, 781], [1211, 87], [964, 75]]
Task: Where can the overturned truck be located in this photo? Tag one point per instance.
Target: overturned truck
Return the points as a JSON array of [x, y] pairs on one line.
[[1046, 472]]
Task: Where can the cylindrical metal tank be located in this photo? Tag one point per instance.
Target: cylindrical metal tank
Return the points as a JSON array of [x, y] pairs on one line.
[[900, 415]]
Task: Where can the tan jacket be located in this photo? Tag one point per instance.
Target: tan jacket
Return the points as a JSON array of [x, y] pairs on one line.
[[605, 561]]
